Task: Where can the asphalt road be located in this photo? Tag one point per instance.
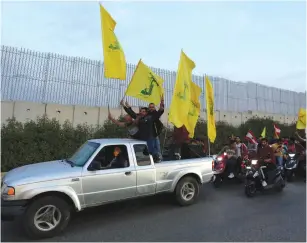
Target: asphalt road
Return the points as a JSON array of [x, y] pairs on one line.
[[220, 215]]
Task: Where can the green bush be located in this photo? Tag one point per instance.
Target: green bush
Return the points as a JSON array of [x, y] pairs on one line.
[[45, 139]]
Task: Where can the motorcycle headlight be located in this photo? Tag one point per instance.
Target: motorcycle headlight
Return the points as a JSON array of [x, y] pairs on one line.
[[254, 162], [291, 155], [219, 158]]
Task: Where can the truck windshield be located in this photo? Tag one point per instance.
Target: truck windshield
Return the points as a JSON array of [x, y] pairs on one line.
[[81, 156]]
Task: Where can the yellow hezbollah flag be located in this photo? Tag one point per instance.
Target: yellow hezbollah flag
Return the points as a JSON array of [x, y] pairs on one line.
[[180, 104], [263, 132], [114, 57], [301, 120], [145, 85], [210, 111], [194, 110]]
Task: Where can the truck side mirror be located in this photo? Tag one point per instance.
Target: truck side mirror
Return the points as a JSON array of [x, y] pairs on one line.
[[95, 165]]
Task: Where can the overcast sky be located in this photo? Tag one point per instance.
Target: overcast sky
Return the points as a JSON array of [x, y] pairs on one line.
[[263, 42]]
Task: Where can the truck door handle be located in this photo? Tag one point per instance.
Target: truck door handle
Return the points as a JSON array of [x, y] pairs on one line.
[[128, 173]]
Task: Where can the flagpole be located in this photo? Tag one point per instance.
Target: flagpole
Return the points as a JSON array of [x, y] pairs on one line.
[[204, 78], [209, 146]]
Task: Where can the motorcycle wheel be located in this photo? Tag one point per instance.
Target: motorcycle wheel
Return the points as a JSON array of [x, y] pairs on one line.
[[280, 186], [289, 175], [217, 181], [250, 189], [240, 178]]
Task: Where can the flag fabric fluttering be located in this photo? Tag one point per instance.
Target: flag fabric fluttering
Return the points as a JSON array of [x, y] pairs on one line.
[[251, 137], [211, 128], [194, 110], [276, 131], [263, 132], [301, 120], [145, 85], [180, 105], [114, 56]]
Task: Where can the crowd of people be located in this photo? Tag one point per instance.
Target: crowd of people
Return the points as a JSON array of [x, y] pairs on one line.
[[146, 125], [274, 151]]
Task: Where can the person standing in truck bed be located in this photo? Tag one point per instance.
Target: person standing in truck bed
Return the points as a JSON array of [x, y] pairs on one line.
[[157, 125]]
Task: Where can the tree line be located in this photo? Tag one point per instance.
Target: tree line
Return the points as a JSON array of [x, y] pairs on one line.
[[46, 139]]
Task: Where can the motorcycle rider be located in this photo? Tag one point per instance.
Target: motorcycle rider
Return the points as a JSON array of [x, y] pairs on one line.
[[231, 158], [278, 151], [266, 153], [241, 149]]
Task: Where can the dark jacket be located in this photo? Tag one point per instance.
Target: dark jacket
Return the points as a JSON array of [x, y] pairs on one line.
[[146, 124], [157, 125], [119, 162], [266, 153], [180, 135]]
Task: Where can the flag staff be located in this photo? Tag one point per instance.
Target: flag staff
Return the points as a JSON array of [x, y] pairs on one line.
[[205, 115]]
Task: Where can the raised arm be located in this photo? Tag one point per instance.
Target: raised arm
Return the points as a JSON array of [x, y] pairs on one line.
[[299, 137], [160, 112], [128, 109], [118, 123]]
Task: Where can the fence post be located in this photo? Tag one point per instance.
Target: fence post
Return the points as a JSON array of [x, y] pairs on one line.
[[46, 72]]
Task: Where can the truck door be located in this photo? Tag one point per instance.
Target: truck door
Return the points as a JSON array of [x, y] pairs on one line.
[[145, 170], [109, 184]]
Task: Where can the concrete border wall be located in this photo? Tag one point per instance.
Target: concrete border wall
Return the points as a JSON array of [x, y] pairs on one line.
[[26, 111]]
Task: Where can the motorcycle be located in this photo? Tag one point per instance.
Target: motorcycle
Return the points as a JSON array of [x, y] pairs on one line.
[[258, 180], [221, 173], [291, 166]]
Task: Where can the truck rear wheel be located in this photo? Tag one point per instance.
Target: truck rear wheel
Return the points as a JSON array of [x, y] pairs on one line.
[[46, 217], [187, 191]]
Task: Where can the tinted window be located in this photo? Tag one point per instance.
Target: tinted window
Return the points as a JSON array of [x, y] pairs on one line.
[[141, 154], [82, 155]]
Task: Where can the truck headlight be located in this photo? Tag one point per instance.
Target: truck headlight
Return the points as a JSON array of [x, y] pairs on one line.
[[7, 190]]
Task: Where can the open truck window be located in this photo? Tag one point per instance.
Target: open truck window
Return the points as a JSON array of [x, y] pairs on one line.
[[141, 155]]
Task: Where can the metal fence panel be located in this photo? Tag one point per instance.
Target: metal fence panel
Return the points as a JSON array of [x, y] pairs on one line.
[[283, 108], [252, 104], [302, 100], [261, 104], [276, 95], [268, 94], [269, 106], [261, 91], [276, 108], [251, 90], [51, 78]]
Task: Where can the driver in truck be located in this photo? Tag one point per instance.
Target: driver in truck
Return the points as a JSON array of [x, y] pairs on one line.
[[118, 161]]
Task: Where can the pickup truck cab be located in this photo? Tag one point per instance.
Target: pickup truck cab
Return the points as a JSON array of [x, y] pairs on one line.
[[45, 194]]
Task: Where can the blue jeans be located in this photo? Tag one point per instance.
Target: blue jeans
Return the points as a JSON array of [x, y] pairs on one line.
[[158, 146], [279, 160], [154, 146]]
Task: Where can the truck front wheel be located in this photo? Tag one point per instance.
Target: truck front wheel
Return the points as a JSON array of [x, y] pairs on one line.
[[187, 191], [46, 217]]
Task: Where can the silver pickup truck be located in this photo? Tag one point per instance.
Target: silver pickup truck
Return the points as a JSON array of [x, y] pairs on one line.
[[101, 171]]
